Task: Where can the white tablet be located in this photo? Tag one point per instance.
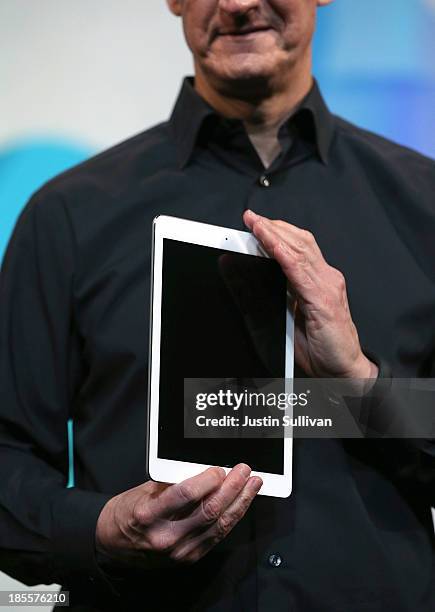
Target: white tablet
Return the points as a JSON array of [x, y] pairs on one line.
[[204, 327]]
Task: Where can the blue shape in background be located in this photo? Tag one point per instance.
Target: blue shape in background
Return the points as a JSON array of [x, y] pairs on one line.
[[24, 167], [374, 63]]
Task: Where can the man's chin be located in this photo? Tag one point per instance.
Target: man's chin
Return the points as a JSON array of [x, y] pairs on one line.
[[244, 77]]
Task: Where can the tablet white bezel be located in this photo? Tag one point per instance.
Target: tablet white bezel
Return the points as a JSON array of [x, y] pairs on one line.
[[167, 470]]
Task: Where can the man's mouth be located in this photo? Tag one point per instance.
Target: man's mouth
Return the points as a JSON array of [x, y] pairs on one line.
[[243, 32]]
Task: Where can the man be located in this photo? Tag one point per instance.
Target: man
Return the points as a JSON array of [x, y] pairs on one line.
[[250, 140]]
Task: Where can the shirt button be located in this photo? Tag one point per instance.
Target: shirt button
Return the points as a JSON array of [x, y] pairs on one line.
[[275, 560], [264, 181]]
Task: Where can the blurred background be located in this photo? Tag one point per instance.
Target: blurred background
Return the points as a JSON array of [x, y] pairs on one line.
[[77, 77]]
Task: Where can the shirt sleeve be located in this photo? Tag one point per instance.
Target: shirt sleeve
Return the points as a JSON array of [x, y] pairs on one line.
[[401, 422], [47, 531]]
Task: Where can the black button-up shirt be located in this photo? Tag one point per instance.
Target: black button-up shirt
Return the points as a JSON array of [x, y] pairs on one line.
[[356, 533]]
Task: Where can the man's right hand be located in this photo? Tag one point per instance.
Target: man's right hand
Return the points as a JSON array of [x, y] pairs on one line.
[[156, 524]]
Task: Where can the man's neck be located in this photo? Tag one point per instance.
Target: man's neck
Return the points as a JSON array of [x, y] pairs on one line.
[[262, 115], [265, 139]]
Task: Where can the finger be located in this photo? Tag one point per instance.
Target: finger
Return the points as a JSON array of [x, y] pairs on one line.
[[193, 549], [303, 278], [212, 507], [319, 290], [298, 233], [237, 509], [250, 218], [214, 504], [314, 281], [301, 259], [186, 494], [301, 241]]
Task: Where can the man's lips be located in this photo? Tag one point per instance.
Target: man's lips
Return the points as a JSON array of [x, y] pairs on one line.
[[243, 31]]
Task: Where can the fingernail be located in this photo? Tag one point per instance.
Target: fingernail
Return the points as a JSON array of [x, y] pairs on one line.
[[244, 469], [252, 214], [255, 483], [220, 471]]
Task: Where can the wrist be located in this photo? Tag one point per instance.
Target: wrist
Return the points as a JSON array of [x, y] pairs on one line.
[[364, 368], [101, 531]]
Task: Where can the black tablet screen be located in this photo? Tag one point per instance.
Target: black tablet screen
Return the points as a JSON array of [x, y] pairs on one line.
[[216, 305]]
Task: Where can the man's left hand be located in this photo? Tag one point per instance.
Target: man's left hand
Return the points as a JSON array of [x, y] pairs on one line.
[[326, 339]]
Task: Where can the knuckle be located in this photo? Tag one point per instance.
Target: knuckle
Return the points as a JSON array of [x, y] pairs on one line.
[[141, 515], [153, 541], [131, 534], [186, 492], [277, 249], [160, 541], [224, 525], [340, 280], [308, 237], [219, 474], [337, 284], [211, 509]]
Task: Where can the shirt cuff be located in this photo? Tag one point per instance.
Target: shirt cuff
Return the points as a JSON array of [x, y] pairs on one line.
[[392, 410], [75, 516], [367, 410]]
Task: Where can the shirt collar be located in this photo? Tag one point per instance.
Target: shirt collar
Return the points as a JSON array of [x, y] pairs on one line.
[[191, 112]]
